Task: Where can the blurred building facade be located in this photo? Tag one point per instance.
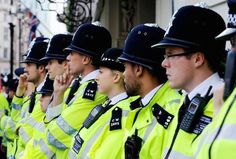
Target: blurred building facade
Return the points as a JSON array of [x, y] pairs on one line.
[[119, 16]]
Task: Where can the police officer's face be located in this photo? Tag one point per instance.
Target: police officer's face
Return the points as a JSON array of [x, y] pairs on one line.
[[75, 62], [105, 80], [32, 72], [44, 101], [132, 85], [179, 69], [54, 68]]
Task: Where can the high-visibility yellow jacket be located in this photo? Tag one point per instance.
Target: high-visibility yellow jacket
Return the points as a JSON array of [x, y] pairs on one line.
[[90, 135], [37, 147], [152, 123], [61, 130], [218, 140], [104, 146]]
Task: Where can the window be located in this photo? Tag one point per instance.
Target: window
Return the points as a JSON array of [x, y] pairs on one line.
[[4, 15], [5, 33], [5, 53]]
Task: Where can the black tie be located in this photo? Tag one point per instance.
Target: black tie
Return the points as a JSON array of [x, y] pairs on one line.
[[136, 104], [32, 102], [73, 89]]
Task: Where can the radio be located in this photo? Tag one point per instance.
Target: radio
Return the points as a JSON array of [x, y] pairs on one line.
[[194, 111], [96, 112]]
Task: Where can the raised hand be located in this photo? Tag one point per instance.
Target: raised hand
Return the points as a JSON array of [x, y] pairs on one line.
[[61, 83], [22, 85]]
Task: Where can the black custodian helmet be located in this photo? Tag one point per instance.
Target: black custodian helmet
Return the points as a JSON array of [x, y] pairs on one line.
[[90, 39], [110, 59], [195, 28], [36, 51], [231, 25], [56, 47], [47, 86], [138, 44]]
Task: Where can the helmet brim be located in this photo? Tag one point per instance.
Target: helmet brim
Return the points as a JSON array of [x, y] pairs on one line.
[[80, 50], [226, 34], [174, 42], [132, 59], [32, 61]]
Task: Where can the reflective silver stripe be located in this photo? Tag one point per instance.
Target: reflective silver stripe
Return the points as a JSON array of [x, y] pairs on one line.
[[228, 132], [5, 123], [20, 154], [53, 141], [92, 140], [9, 122], [149, 129], [125, 112], [12, 125], [45, 149], [23, 134], [24, 112], [178, 155], [174, 101], [64, 126], [31, 121], [72, 154], [40, 127], [206, 138], [16, 106], [2, 112]]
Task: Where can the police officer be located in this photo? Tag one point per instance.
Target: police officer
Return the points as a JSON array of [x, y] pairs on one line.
[[192, 61], [37, 146], [218, 140], [55, 58], [111, 83], [88, 43], [144, 76], [25, 110]]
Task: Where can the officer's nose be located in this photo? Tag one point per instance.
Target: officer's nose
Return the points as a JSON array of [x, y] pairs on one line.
[[97, 78], [47, 66], [68, 57], [164, 63]]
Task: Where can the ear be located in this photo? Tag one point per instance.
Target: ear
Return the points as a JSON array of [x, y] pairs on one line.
[[65, 64], [138, 70], [86, 60], [199, 59], [116, 76], [41, 68]]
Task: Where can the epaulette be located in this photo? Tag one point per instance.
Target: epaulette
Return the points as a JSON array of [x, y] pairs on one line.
[[162, 116], [90, 90], [115, 122]]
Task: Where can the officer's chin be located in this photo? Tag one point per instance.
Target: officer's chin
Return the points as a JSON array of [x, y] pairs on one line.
[[131, 92]]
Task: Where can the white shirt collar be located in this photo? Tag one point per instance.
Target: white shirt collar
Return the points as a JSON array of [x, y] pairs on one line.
[[214, 81], [118, 98], [91, 75], [40, 85], [146, 99]]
